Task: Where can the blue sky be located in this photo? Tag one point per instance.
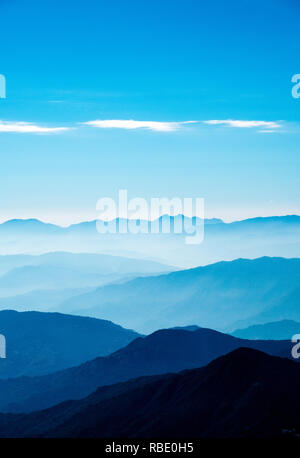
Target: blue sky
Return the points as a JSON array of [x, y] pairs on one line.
[[159, 64]]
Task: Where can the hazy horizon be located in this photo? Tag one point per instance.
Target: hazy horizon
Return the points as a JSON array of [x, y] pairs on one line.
[[57, 222]]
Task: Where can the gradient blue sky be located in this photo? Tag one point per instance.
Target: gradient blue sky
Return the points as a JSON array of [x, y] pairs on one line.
[[71, 62]]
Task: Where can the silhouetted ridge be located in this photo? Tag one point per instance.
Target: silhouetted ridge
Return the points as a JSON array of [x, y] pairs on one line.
[[246, 393], [40, 343], [162, 352]]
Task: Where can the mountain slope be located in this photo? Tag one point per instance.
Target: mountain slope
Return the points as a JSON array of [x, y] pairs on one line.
[[214, 296], [234, 396], [278, 330], [162, 352], [285, 309], [28, 278], [42, 300], [40, 343]]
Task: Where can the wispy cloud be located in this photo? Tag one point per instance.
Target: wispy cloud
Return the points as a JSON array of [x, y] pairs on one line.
[[132, 124], [29, 128], [245, 124], [270, 131]]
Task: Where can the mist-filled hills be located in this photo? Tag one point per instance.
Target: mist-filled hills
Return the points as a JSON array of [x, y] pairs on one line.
[[25, 279], [215, 296], [278, 330], [40, 343], [38, 277], [251, 238], [234, 396], [42, 300], [101, 264], [162, 352], [285, 309]]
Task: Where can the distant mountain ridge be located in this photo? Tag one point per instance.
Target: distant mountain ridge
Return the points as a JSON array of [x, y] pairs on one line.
[[24, 274], [277, 330], [101, 264], [250, 238], [162, 352], [38, 223], [40, 343]]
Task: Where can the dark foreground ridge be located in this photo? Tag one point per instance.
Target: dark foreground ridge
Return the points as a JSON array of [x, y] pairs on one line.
[[161, 352], [246, 393]]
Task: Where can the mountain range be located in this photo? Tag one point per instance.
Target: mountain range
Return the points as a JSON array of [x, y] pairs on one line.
[[245, 393], [219, 296], [95, 378], [251, 238], [162, 352], [225, 296]]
